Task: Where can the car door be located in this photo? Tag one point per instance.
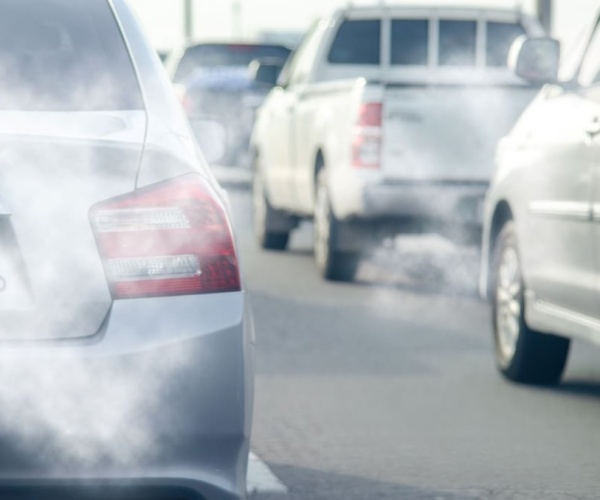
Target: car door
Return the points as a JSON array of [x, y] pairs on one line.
[[589, 81], [564, 147], [279, 116]]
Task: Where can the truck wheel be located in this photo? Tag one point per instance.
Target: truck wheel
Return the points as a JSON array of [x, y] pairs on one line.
[[333, 265], [522, 355], [264, 217]]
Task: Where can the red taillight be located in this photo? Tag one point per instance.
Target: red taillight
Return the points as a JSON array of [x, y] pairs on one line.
[[370, 115], [366, 143], [173, 238]]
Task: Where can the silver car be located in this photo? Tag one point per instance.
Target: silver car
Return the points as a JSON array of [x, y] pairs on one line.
[[540, 248], [126, 345]]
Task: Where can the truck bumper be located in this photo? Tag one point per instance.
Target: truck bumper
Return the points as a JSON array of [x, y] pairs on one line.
[[456, 203], [361, 197]]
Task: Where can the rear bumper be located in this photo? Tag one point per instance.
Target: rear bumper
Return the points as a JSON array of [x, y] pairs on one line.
[[360, 196], [451, 202], [160, 398]]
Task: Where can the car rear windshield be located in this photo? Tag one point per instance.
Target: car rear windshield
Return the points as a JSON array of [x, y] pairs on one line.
[[458, 43], [410, 42], [64, 55], [223, 55], [500, 37], [357, 42]]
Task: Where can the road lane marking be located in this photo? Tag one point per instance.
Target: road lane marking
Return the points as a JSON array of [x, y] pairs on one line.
[[261, 479]]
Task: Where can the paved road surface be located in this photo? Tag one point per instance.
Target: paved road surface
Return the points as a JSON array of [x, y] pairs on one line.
[[386, 389]]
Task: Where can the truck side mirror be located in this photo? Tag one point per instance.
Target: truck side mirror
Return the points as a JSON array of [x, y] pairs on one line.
[[536, 60], [265, 73]]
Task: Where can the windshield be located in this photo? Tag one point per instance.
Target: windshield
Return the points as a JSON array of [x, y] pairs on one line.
[[60, 55]]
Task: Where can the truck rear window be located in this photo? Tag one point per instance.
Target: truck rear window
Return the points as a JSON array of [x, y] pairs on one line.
[[64, 55], [410, 42], [357, 42], [500, 37], [458, 43]]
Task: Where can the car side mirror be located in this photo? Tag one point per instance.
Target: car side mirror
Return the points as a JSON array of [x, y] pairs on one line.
[[536, 60], [265, 73]]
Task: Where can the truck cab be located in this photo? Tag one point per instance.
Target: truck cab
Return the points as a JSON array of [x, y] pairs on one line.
[[385, 120]]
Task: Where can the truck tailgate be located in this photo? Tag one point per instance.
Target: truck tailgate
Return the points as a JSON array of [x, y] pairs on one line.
[[447, 133]]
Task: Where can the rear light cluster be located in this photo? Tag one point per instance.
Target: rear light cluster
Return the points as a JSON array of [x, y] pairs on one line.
[[366, 143], [173, 238]]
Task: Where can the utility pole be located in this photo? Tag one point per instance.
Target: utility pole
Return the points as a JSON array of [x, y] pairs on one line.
[[188, 20], [544, 10], [236, 17]]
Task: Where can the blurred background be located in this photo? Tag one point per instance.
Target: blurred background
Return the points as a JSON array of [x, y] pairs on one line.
[[285, 21]]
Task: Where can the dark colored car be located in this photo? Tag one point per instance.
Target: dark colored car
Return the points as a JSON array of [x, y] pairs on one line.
[[214, 83]]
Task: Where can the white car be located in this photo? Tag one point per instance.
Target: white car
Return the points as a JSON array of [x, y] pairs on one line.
[[540, 248], [385, 120]]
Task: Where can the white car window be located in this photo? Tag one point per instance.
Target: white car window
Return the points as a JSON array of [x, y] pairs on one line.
[[410, 42], [590, 70], [458, 43], [357, 42]]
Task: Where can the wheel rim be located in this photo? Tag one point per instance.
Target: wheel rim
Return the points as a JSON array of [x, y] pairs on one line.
[[260, 207], [322, 227], [508, 304]]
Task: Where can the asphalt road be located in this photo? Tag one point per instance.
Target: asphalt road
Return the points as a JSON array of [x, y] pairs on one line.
[[386, 389]]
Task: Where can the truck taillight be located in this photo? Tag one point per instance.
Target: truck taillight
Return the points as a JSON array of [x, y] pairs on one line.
[[370, 115], [366, 143], [173, 238]]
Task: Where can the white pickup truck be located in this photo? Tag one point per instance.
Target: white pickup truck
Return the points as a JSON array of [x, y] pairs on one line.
[[385, 120]]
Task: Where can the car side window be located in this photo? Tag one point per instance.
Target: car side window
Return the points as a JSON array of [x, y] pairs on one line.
[[298, 68], [357, 42], [590, 69]]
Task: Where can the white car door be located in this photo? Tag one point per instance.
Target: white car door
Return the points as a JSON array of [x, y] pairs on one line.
[[280, 117]]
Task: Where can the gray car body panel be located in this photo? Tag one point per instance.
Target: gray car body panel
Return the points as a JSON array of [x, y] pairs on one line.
[[162, 394], [546, 172]]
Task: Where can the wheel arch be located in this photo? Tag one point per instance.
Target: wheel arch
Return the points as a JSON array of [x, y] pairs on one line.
[[502, 215], [319, 163]]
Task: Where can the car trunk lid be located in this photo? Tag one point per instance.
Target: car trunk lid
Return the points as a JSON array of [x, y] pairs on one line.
[[53, 168], [447, 132]]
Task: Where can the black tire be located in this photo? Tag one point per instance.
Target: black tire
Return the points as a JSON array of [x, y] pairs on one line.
[[529, 357], [333, 265], [264, 215]]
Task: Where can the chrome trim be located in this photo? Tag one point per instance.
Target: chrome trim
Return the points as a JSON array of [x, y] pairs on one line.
[[553, 319], [570, 210]]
